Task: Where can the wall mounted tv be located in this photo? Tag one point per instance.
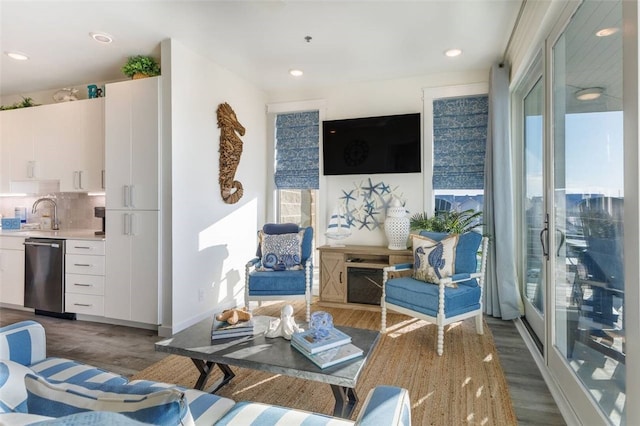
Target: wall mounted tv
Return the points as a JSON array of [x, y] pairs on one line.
[[372, 145]]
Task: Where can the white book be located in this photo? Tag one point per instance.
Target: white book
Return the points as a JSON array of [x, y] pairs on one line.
[[331, 356]]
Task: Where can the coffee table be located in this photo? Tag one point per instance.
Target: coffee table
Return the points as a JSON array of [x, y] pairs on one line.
[[273, 355]]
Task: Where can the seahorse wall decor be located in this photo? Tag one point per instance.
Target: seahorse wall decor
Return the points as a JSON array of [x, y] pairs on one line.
[[230, 152]]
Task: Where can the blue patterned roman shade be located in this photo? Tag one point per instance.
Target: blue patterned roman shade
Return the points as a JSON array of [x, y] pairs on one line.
[[297, 153], [459, 141]]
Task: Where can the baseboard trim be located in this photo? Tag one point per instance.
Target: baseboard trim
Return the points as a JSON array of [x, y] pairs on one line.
[[565, 408]]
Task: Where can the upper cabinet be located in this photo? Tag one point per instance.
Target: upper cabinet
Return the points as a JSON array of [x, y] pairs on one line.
[[132, 147], [63, 141]]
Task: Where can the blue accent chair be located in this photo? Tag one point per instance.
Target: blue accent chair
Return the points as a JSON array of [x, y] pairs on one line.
[[286, 284], [438, 303]]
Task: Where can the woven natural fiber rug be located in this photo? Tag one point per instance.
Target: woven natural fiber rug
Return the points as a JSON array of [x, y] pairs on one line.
[[465, 385]]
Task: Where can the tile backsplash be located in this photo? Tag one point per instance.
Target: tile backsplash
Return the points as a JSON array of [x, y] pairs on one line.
[[75, 210]]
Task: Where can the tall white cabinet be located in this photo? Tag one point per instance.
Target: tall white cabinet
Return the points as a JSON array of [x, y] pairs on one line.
[[132, 158]]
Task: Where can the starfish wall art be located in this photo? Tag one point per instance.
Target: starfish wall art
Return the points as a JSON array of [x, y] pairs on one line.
[[365, 205]]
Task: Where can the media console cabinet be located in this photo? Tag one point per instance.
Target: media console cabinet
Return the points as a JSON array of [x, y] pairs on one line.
[[352, 275]]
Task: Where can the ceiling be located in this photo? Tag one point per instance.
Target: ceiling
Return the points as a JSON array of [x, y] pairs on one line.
[[259, 40]]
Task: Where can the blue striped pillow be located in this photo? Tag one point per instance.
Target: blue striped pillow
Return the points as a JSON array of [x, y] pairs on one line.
[[13, 395], [158, 407]]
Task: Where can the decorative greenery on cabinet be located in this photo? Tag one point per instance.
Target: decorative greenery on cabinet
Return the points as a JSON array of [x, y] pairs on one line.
[[141, 66]]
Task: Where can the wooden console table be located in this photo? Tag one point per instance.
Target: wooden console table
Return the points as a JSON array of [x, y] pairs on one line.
[[335, 262]]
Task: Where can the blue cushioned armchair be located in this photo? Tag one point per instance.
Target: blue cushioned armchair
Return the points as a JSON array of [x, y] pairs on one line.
[[440, 303], [266, 281]]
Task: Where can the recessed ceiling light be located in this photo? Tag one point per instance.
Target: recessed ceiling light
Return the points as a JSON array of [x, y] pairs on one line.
[[605, 32], [295, 72], [18, 56], [452, 53], [589, 94], [101, 37]]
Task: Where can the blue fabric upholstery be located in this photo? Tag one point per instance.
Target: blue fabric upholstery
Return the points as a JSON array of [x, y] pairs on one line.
[[23, 342], [148, 405], [466, 250], [386, 405], [206, 408], [253, 413], [277, 282], [420, 297], [13, 395], [64, 370], [91, 418]]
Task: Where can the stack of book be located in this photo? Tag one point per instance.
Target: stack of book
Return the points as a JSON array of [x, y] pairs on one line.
[[224, 330], [330, 350]]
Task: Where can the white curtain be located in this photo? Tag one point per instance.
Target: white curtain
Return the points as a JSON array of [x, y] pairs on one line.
[[501, 293]]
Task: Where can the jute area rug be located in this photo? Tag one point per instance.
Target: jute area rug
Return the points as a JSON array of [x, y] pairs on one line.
[[465, 385]]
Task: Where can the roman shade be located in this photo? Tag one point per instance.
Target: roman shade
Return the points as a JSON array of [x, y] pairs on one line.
[[297, 155], [459, 141]]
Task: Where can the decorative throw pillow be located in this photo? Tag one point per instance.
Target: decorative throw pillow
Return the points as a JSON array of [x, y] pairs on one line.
[[434, 260], [147, 405], [281, 252], [13, 395]]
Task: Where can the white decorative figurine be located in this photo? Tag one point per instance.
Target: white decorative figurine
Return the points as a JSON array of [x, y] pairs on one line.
[[285, 326]]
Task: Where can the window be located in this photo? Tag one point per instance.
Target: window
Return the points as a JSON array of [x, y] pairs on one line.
[[459, 141]]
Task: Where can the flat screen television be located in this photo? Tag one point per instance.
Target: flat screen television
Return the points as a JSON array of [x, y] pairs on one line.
[[372, 145]]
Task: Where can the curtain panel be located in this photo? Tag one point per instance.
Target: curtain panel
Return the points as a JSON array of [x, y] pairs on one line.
[[459, 140], [297, 152], [501, 296]]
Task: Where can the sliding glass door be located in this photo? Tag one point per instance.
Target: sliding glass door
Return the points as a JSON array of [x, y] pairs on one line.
[[569, 111], [586, 218], [533, 218]]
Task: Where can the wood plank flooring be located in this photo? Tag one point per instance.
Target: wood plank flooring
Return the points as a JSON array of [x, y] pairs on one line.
[[126, 350]]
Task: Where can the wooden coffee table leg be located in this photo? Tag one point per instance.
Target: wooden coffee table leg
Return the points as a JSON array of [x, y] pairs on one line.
[[205, 368], [346, 400]]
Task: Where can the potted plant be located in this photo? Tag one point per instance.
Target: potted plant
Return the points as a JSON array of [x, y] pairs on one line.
[[25, 103], [140, 66], [452, 222]]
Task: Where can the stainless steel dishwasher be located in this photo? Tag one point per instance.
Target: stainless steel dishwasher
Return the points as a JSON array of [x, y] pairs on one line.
[[44, 275]]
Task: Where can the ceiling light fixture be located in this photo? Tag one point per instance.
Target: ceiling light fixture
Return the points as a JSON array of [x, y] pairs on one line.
[[101, 37], [18, 56], [605, 32], [589, 94], [452, 53], [296, 72]]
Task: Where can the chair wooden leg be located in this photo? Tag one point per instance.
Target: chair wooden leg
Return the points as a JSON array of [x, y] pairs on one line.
[[383, 322], [479, 328], [440, 339]]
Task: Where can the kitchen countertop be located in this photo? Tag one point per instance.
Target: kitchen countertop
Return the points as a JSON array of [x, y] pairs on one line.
[[63, 234]]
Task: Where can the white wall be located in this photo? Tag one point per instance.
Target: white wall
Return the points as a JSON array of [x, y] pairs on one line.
[[365, 99], [211, 240]]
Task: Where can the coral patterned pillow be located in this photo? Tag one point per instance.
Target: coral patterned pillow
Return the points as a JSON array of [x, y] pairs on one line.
[[281, 252], [434, 260]]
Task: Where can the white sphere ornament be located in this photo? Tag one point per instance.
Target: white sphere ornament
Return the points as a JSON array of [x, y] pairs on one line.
[[396, 226]]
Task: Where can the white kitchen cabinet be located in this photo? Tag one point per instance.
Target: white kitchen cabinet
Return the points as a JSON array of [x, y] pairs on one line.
[[63, 141], [17, 146], [85, 277], [132, 142], [12, 270], [132, 266]]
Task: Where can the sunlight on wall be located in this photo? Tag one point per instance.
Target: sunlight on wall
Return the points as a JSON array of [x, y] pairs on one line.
[[232, 233]]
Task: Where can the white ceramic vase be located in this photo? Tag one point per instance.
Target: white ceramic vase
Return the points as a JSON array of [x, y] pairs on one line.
[[396, 226]]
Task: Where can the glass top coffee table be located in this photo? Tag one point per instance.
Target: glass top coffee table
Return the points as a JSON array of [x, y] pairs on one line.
[[273, 355]]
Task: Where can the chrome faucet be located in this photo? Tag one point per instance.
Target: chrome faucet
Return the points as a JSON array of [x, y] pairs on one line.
[[54, 220]]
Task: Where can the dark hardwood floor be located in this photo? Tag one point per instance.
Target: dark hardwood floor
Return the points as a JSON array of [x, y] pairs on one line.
[[126, 350]]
